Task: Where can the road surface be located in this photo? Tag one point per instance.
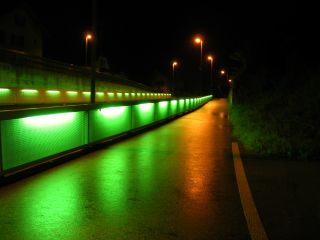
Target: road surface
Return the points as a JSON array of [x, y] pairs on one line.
[[174, 182]]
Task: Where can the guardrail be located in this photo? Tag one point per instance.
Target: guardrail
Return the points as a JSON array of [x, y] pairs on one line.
[[30, 137]]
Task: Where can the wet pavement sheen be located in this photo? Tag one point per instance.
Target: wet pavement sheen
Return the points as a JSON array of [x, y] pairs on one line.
[[174, 182]]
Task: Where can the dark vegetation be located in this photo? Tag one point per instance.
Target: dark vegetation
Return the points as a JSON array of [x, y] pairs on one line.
[[276, 100]]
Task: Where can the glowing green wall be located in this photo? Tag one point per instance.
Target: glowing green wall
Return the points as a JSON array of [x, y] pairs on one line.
[[143, 114], [107, 122], [173, 107], [181, 105], [162, 110], [28, 139]]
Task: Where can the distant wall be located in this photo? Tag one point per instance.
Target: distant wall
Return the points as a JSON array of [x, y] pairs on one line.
[[21, 76], [19, 71]]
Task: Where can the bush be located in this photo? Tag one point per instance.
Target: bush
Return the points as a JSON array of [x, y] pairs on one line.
[[282, 122]]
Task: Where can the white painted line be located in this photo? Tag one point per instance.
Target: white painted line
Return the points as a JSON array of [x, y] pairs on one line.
[[254, 223]]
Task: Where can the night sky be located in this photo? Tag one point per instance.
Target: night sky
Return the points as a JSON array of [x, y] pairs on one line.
[[140, 38]]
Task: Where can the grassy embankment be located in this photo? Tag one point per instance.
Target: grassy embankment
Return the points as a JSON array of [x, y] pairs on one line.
[[282, 122]]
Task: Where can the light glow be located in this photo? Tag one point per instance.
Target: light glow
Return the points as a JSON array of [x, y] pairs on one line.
[[112, 111], [174, 102], [88, 36], [49, 120], [4, 90], [72, 92], [29, 90], [198, 40], [146, 107], [163, 104], [53, 92]]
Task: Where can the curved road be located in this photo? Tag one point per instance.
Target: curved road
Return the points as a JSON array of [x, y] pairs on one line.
[[174, 182]]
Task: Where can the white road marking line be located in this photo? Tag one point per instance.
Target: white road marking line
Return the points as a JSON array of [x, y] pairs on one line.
[[254, 223]]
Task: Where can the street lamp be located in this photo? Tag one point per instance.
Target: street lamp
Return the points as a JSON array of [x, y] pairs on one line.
[[174, 64], [199, 40], [88, 37], [224, 72], [210, 58]]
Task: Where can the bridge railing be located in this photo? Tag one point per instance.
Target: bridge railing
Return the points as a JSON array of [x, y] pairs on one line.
[[30, 137]]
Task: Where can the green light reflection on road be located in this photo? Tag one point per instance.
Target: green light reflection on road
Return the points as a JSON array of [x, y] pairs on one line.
[[113, 181], [53, 205]]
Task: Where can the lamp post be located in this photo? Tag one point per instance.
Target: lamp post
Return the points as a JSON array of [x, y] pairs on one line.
[[198, 40], [88, 37], [229, 80], [174, 64], [210, 58]]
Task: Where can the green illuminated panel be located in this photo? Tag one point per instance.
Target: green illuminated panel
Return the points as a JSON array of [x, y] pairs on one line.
[[100, 94], [28, 139], [86, 94], [5, 94], [181, 105], [29, 94], [162, 110], [4, 90], [173, 107], [72, 95], [143, 114], [29, 91], [187, 104], [108, 122], [53, 92]]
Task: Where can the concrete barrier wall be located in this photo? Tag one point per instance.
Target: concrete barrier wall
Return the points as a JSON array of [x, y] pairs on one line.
[[30, 137], [20, 71], [44, 96]]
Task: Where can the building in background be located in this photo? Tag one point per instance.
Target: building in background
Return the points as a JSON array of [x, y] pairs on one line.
[[20, 30]]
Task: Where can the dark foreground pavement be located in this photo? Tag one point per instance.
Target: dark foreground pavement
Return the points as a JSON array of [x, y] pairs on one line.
[[287, 194], [175, 182]]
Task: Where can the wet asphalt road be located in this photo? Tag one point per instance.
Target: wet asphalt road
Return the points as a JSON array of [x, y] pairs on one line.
[[174, 182]]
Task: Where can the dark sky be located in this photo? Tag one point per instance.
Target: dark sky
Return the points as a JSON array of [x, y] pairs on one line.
[[139, 37]]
